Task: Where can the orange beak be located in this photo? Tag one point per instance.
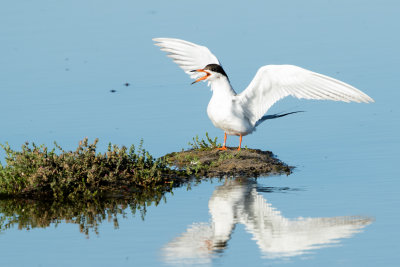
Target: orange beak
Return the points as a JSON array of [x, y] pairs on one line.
[[201, 78]]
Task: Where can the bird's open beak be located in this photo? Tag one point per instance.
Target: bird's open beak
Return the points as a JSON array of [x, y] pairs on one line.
[[201, 78]]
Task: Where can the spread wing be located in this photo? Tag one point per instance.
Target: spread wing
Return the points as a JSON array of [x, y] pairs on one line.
[[274, 82], [187, 55]]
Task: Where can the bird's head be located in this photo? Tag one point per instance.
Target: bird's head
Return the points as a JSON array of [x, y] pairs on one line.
[[212, 71]]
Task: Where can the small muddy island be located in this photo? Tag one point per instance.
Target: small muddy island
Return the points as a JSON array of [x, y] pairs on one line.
[[204, 159], [230, 162]]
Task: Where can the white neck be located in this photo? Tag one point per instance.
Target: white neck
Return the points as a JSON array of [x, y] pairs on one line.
[[221, 86]]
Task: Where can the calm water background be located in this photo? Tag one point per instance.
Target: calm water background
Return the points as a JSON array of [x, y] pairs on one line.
[[60, 59]]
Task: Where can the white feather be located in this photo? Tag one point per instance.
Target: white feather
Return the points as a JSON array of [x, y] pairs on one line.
[[239, 114], [187, 55], [274, 82]]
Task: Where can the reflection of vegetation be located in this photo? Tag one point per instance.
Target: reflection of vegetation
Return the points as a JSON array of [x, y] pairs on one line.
[[28, 214], [38, 172]]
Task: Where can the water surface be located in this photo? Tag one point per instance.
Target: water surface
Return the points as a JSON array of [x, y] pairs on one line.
[[60, 61]]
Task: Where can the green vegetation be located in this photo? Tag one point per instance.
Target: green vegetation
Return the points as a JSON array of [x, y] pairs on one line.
[[203, 145], [36, 171]]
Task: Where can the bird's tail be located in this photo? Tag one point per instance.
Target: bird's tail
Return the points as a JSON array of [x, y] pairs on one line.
[[274, 116]]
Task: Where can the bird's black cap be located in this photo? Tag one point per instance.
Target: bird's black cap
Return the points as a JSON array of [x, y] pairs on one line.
[[216, 68]]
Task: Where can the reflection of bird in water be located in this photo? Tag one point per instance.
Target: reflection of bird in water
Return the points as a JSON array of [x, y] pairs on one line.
[[276, 236], [240, 114]]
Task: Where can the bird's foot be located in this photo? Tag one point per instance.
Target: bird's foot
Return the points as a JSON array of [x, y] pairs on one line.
[[222, 148], [238, 149]]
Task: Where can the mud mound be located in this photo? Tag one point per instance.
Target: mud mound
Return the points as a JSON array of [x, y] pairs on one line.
[[231, 162]]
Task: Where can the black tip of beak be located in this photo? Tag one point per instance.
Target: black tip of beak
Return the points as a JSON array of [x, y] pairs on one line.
[[193, 70], [193, 83]]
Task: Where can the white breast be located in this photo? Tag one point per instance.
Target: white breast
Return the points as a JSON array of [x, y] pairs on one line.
[[225, 112]]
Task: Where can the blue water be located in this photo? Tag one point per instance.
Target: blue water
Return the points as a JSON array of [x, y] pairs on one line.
[[60, 60]]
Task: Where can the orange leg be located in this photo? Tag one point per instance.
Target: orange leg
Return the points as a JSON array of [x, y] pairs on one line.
[[224, 146], [240, 142]]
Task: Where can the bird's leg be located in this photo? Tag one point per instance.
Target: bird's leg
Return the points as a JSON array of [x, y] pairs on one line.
[[224, 146], [240, 142]]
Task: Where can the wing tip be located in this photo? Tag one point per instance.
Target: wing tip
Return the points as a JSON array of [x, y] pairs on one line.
[[159, 40], [364, 98], [166, 39], [370, 100]]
